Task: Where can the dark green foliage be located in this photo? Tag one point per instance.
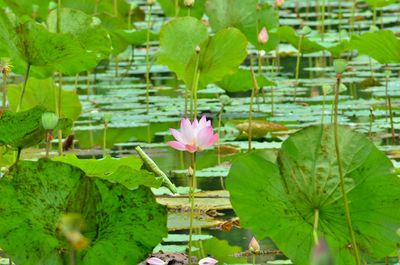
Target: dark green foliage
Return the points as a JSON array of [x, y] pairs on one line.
[[122, 226], [279, 199]]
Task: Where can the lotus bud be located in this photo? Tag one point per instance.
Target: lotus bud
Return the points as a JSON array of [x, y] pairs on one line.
[[321, 254], [225, 100], [189, 3], [254, 247], [155, 261], [388, 73], [197, 49], [190, 171], [326, 89], [49, 121], [208, 261], [279, 3], [306, 30], [107, 118], [263, 36], [151, 2], [340, 66], [52, 6], [373, 28]]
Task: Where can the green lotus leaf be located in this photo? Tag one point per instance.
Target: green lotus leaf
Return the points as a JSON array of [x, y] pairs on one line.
[[242, 81], [248, 16], [288, 34], [280, 200], [25, 129], [220, 54], [380, 3], [382, 45], [122, 226], [179, 33], [87, 30], [125, 171], [44, 92]]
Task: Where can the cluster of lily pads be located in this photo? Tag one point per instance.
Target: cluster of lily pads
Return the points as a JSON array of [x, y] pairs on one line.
[[101, 78]]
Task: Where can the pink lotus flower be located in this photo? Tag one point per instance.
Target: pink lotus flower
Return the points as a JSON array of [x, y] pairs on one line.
[[155, 261], [193, 137], [263, 36], [208, 261], [279, 3]]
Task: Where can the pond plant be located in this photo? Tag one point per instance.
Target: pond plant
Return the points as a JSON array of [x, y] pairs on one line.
[[257, 171]]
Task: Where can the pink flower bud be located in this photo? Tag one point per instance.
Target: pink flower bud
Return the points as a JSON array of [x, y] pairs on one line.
[[263, 36], [279, 3], [254, 247]]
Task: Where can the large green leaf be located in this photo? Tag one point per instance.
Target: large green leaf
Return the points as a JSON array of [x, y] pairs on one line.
[[248, 16], [288, 34], [45, 93], [125, 171], [30, 43], [96, 7], [220, 54], [242, 81], [123, 226], [25, 129], [178, 43], [22, 129], [169, 8], [380, 3], [280, 201], [382, 45], [87, 30], [26, 7]]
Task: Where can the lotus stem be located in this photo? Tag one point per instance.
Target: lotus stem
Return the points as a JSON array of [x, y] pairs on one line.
[[389, 104], [272, 87], [253, 92], [28, 68], [5, 77], [298, 61], [195, 84], [353, 14], [105, 139], [219, 146], [48, 143], [371, 120], [254, 259], [191, 192], [155, 169], [260, 73], [176, 8], [73, 256], [341, 174], [59, 113], [148, 60], [322, 27]]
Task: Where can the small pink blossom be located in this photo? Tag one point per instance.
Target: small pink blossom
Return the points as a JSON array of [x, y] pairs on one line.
[[155, 261], [263, 36], [208, 261], [254, 247], [279, 3], [193, 137]]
